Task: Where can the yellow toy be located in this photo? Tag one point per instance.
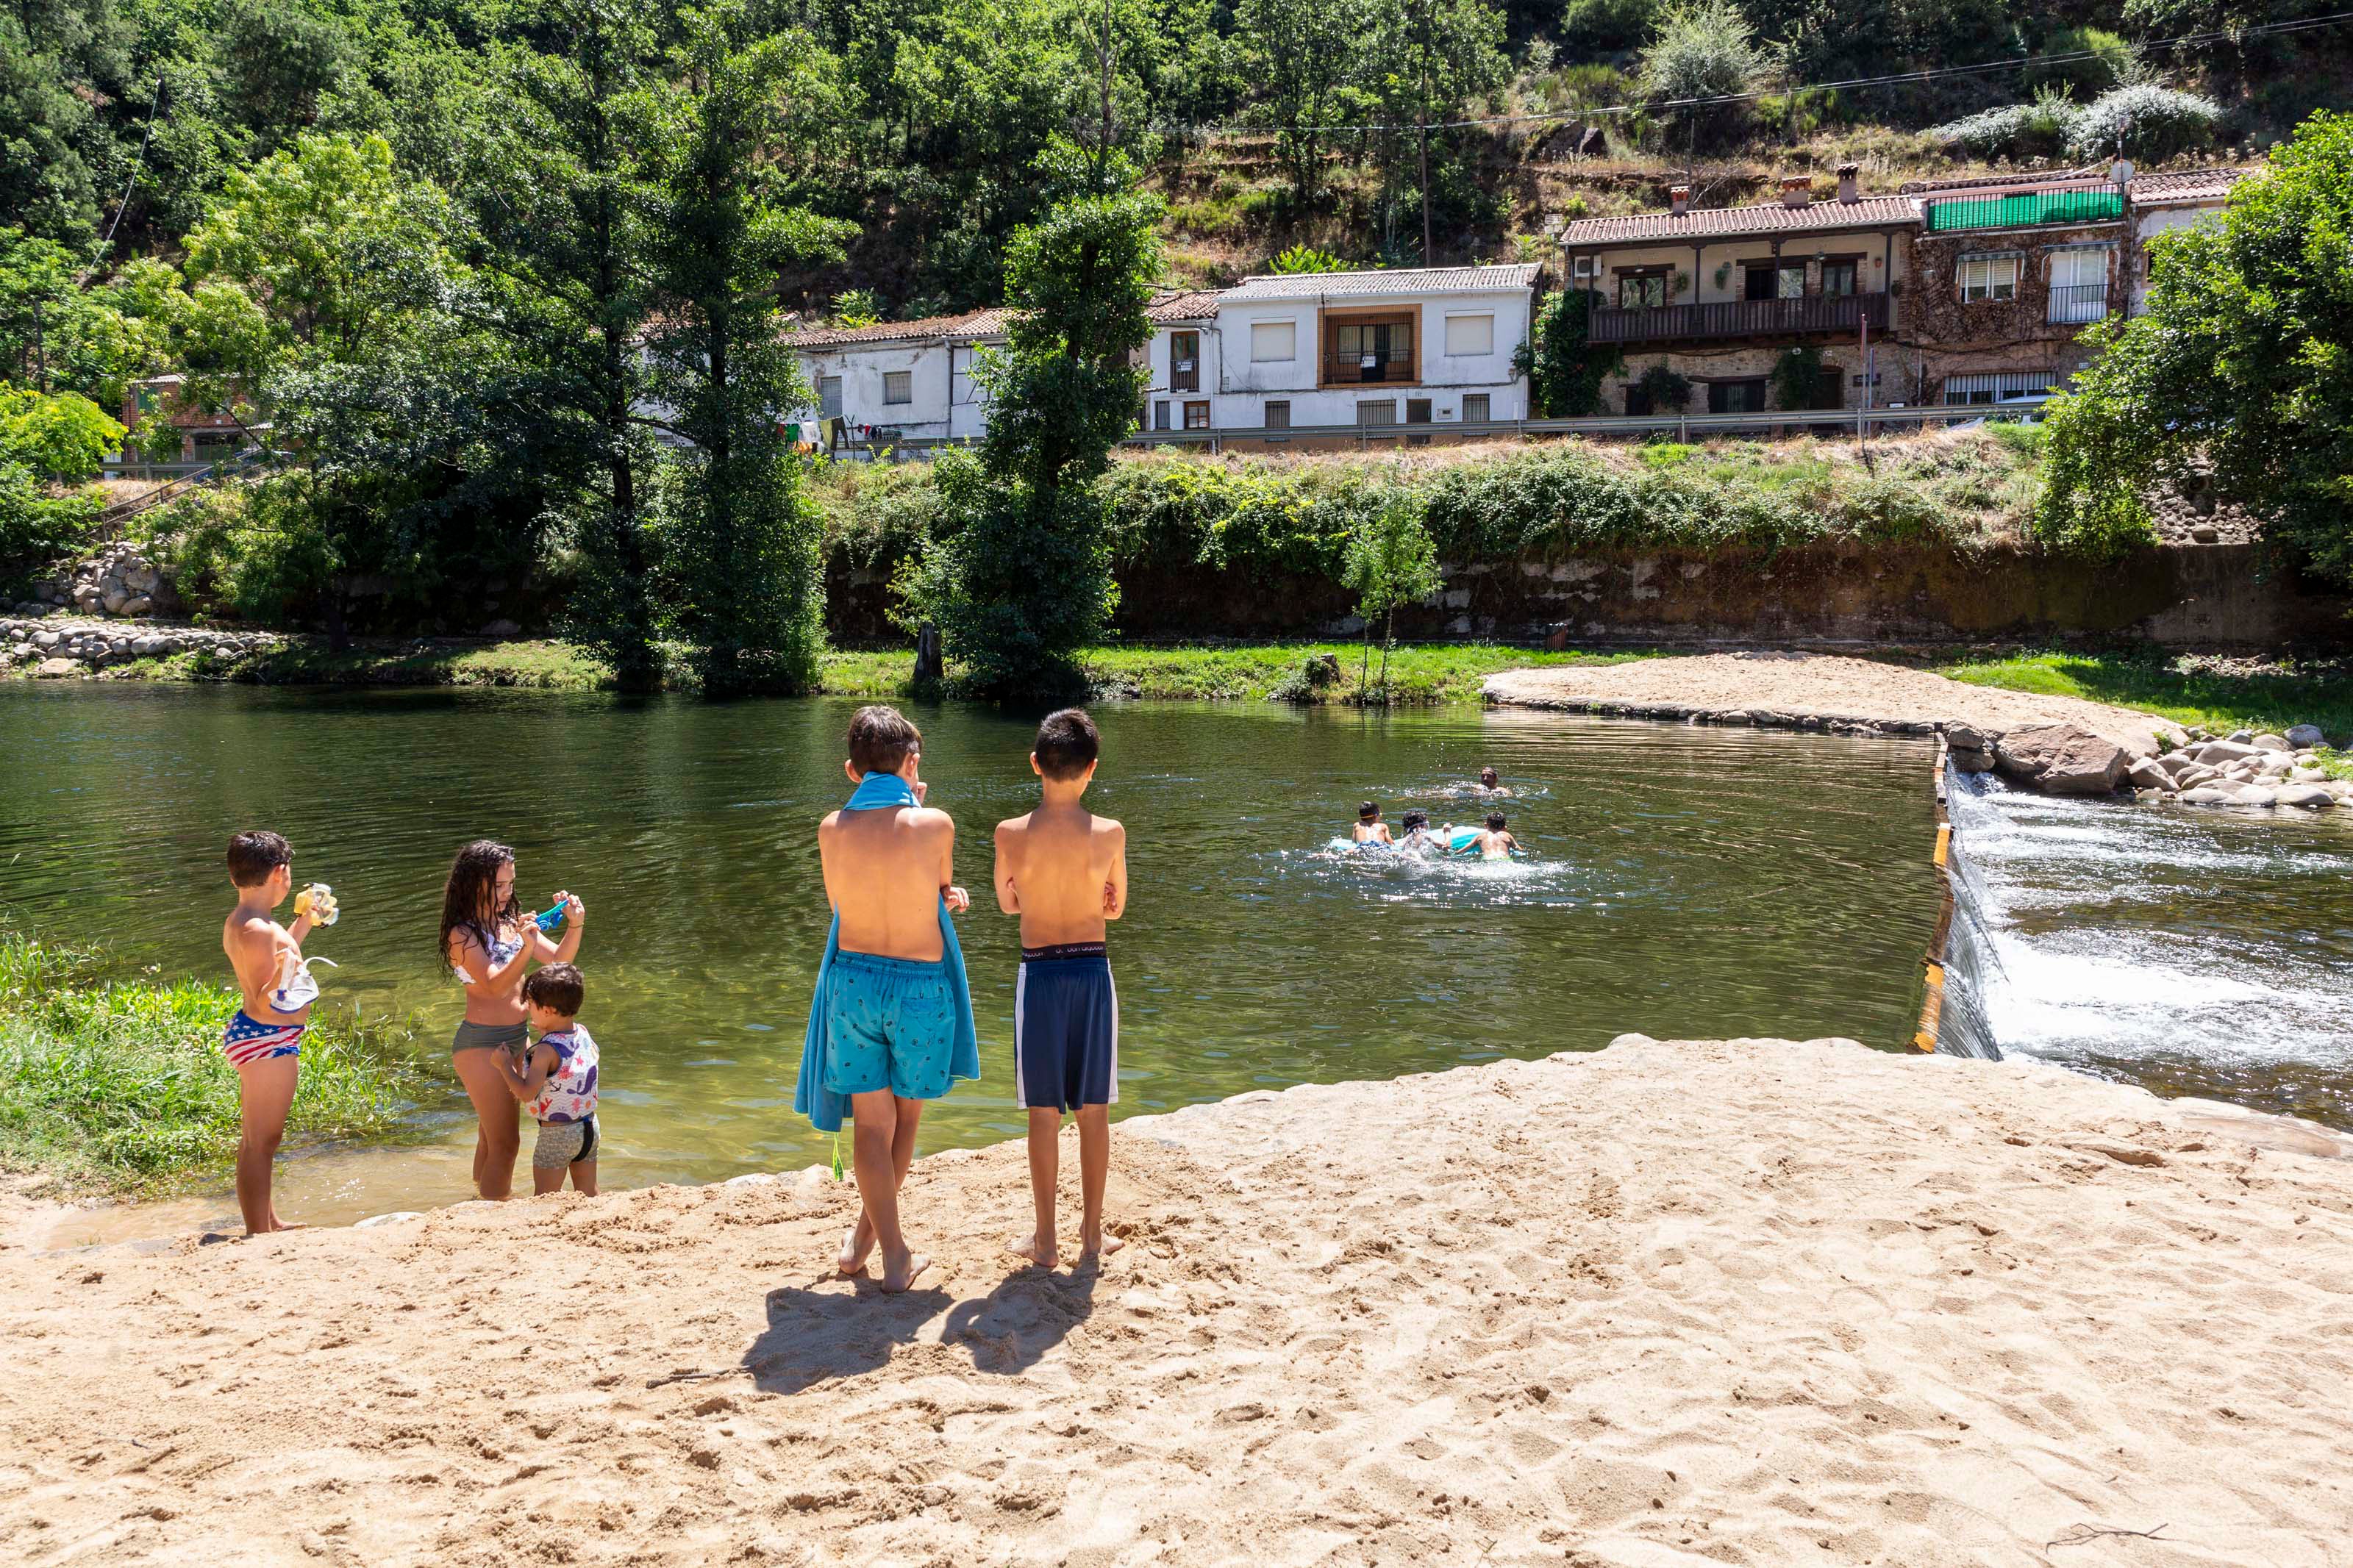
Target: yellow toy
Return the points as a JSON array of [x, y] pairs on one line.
[[317, 902]]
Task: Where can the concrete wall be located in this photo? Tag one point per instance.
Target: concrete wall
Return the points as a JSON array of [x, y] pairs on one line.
[[2190, 595], [862, 366]]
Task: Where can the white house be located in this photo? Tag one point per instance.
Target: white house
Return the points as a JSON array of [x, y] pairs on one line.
[[1425, 346], [2175, 200], [1421, 347]]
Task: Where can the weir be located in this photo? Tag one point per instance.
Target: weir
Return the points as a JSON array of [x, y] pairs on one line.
[[1962, 961]]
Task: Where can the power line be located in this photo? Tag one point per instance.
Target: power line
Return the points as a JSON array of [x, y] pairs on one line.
[[1933, 73]]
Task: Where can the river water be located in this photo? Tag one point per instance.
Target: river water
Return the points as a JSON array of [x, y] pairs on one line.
[[1687, 881], [2191, 951]]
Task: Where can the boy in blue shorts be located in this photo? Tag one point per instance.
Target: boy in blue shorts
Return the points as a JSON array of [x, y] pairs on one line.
[[1064, 872]]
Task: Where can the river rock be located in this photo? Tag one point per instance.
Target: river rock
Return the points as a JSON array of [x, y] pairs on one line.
[[2214, 754], [2146, 774], [2268, 742], [1973, 762], [2257, 794], [2304, 736], [2210, 795], [2239, 736], [47, 639], [52, 668], [1962, 737], [2311, 797], [2061, 759]]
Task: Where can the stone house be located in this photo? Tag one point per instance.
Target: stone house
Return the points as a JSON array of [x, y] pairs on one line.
[[155, 410], [1718, 295], [1952, 291]]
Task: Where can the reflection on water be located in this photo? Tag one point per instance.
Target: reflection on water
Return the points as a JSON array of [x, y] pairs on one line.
[[1684, 881], [2194, 952]]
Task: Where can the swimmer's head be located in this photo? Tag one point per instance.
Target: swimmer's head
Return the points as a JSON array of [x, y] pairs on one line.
[[1415, 818], [1368, 812], [1495, 822], [1488, 777]]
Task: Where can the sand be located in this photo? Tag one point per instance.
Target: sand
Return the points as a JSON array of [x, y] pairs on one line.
[[1732, 1302], [1824, 685]]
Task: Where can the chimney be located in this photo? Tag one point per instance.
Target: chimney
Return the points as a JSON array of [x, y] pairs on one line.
[[1797, 190], [1848, 193], [1679, 199]]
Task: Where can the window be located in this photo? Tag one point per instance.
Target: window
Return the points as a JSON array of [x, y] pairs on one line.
[[1772, 280], [897, 386], [1381, 413], [2079, 284], [1736, 397], [1273, 342], [1469, 335], [1160, 415], [1196, 415], [1641, 290], [1184, 361], [1838, 277], [1475, 408], [1988, 278], [1277, 414], [828, 396], [1417, 410], [1993, 386], [1372, 350]]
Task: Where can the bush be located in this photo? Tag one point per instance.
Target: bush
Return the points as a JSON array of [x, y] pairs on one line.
[[1702, 48], [2036, 130], [35, 527], [2113, 62], [1590, 29], [2146, 122], [1670, 393]]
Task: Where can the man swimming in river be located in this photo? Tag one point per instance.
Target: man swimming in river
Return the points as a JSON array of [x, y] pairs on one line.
[[1492, 782], [1370, 829]]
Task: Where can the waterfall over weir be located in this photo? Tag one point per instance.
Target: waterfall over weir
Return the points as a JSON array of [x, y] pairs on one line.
[[1972, 962]]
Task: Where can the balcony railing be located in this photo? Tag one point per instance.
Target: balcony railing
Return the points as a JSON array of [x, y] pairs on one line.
[[1739, 317], [2027, 209], [2072, 303], [1350, 370]]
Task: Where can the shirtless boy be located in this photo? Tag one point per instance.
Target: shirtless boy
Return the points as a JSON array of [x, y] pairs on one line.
[[891, 1013], [264, 1044], [1064, 872], [1370, 829], [1493, 843]]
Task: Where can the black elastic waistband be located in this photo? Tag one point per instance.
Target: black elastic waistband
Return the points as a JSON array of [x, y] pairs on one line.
[[1065, 950]]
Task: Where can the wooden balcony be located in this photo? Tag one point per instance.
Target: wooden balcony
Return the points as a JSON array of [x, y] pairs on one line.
[[1841, 314], [1367, 369]]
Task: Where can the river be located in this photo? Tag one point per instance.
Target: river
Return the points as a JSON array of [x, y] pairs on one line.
[[1687, 881]]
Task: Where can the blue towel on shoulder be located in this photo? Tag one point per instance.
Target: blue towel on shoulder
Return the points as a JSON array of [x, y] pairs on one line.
[[825, 1109]]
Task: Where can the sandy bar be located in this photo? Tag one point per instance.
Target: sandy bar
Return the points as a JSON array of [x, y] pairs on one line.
[[1781, 687], [1733, 1302]]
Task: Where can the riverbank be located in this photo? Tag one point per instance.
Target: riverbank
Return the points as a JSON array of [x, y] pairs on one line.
[[1820, 1303], [119, 1087]]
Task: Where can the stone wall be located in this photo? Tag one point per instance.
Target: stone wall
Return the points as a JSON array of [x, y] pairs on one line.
[[2196, 596]]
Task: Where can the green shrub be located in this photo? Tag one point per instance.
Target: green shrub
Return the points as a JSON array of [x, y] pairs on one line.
[[2145, 122], [38, 527], [2113, 62]]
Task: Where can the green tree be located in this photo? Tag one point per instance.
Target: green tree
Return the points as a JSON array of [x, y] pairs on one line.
[[1425, 63], [1303, 54], [742, 539], [60, 436], [1024, 581], [2240, 361], [1703, 49], [1392, 562]]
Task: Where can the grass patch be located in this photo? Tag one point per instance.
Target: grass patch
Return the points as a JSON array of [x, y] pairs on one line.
[[121, 1085], [2186, 689], [1247, 672]]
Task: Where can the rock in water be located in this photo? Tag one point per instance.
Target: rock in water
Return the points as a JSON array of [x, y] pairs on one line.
[[52, 668], [2145, 773], [2061, 759], [2311, 797]]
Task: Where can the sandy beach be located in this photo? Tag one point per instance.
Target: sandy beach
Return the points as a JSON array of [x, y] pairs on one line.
[[1778, 687], [1739, 1302]]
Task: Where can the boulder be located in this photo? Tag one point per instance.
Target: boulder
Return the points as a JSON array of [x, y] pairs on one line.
[[1973, 762], [2059, 759], [47, 639], [2214, 754], [2145, 775], [1965, 737], [138, 604], [2176, 762], [2303, 735], [52, 668], [2210, 795], [2271, 744], [114, 598], [2311, 797], [2257, 794], [2239, 736]]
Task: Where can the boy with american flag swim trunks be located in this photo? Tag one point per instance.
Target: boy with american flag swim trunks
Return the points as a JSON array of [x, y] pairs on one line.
[[262, 1042]]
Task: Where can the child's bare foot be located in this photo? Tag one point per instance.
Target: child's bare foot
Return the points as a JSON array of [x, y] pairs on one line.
[[896, 1280], [857, 1242], [1095, 1243], [274, 1226], [1040, 1250]]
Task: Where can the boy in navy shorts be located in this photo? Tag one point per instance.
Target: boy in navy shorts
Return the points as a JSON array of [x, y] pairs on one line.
[[1064, 872]]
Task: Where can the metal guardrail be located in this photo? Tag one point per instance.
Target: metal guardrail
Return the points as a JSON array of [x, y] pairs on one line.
[[1681, 426]]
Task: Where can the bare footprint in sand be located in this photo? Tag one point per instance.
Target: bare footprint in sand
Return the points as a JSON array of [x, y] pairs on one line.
[[1028, 1247], [893, 1285]]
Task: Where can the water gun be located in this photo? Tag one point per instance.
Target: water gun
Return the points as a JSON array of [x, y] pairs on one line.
[[548, 920], [317, 902]]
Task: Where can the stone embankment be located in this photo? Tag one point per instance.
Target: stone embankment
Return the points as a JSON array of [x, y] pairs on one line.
[[122, 580], [57, 647]]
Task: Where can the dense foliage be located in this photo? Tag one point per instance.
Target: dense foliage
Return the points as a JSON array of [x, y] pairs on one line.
[[2240, 364]]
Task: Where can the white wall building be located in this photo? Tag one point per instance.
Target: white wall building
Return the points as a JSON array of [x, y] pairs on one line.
[[2176, 200], [1431, 346]]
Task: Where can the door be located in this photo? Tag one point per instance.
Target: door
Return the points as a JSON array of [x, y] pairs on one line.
[[2079, 285], [1184, 361], [828, 396]]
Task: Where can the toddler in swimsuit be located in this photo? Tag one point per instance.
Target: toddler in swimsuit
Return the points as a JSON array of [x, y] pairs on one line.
[[557, 1081]]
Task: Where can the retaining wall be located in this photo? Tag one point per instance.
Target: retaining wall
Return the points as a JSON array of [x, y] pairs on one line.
[[2221, 596]]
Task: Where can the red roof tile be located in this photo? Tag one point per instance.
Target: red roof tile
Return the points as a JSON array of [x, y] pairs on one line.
[[1719, 223]]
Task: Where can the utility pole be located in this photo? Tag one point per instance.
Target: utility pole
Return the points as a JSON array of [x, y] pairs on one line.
[[1421, 120]]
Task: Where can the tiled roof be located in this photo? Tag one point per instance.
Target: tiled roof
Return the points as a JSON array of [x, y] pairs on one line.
[[1518, 279], [1716, 223], [971, 324], [1999, 181], [2185, 187], [1184, 305]]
